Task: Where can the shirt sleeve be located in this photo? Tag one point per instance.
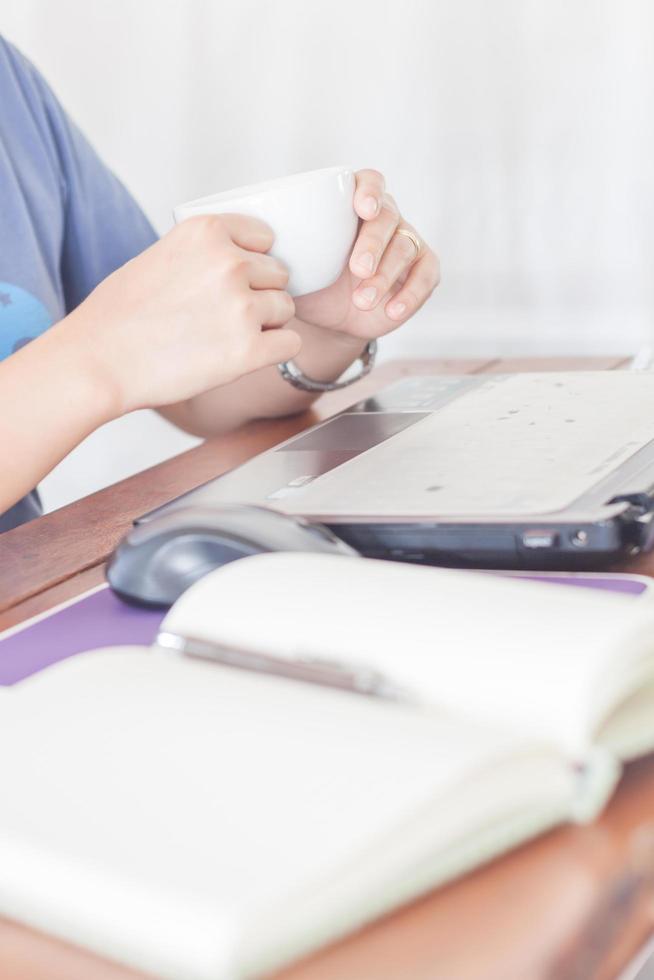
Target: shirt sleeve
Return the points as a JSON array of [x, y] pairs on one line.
[[103, 225]]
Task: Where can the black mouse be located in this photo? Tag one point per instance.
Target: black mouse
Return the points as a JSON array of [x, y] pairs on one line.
[[158, 560]]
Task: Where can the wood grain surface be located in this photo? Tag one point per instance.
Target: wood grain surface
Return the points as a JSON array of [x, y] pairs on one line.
[[59, 545], [573, 905]]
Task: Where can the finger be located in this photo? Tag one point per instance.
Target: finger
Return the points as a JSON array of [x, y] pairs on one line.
[[395, 262], [373, 238], [368, 193], [419, 285], [276, 346], [273, 307], [248, 232], [266, 272]]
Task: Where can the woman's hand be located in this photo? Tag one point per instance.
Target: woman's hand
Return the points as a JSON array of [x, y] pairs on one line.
[[192, 312], [189, 314], [387, 279]]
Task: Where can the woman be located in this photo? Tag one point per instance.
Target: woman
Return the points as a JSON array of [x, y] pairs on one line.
[[98, 318]]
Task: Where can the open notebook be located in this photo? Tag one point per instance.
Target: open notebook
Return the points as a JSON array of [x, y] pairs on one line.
[[199, 821]]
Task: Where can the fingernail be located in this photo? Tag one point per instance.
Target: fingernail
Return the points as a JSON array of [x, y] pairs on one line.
[[365, 297], [366, 261], [370, 206], [396, 310]]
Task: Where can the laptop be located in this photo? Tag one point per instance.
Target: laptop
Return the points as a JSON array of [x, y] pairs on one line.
[[517, 471]]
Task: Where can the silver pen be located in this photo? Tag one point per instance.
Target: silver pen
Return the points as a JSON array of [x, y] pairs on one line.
[[331, 673]]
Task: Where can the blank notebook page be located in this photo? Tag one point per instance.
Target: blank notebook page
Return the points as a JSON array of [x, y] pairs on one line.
[[546, 660], [160, 801]]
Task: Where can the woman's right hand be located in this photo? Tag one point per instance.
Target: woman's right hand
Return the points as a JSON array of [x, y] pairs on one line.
[[192, 312]]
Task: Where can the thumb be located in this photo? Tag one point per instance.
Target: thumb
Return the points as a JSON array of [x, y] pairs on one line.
[[277, 345]]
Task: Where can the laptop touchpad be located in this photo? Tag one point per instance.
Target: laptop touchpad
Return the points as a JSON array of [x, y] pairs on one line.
[[354, 433]]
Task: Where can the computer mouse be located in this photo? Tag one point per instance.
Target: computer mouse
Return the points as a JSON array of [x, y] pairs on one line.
[[158, 560]]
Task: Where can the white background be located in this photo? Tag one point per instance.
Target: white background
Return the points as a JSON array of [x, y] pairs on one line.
[[518, 135]]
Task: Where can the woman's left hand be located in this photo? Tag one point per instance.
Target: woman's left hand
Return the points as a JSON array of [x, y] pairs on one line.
[[387, 278]]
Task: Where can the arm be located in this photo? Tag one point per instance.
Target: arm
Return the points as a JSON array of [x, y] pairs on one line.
[[264, 394], [387, 281], [184, 317], [50, 399]]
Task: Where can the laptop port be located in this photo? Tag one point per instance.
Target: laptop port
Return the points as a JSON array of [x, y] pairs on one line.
[[540, 539]]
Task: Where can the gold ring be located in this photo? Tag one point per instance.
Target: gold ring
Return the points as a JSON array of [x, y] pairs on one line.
[[414, 238]]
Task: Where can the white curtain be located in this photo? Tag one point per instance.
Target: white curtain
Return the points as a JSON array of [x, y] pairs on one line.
[[517, 135]]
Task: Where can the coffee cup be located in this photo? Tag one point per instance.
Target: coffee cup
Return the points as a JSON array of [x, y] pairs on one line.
[[311, 214]]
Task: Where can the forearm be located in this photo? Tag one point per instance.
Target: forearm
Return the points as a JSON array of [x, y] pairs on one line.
[[50, 399], [324, 356]]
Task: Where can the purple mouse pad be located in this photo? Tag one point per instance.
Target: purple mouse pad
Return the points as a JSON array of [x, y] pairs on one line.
[[625, 584], [101, 619], [96, 620]]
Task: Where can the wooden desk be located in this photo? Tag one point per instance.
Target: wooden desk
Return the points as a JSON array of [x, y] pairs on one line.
[[559, 908]]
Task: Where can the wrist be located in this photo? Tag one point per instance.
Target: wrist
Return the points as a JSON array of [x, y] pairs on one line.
[[328, 337], [87, 370], [321, 367], [325, 353]]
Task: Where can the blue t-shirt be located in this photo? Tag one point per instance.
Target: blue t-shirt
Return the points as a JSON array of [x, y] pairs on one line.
[[66, 222]]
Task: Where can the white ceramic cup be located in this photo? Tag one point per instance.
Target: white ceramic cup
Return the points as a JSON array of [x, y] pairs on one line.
[[311, 214]]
